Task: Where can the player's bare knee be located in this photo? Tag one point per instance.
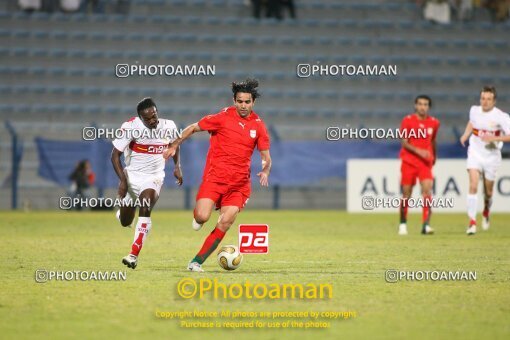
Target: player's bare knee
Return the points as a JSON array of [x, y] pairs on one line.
[[224, 225], [144, 212], [125, 223], [226, 220], [406, 196], [202, 216], [127, 215], [406, 191]]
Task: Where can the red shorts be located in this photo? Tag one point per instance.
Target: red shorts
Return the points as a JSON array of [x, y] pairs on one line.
[[225, 194], [410, 172]]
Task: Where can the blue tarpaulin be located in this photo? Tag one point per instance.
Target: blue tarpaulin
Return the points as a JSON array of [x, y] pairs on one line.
[[295, 163]]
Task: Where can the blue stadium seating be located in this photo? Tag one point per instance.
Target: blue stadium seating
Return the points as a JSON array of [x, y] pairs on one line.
[[47, 55]]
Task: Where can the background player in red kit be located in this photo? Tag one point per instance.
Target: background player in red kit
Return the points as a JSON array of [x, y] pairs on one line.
[[418, 156], [235, 132]]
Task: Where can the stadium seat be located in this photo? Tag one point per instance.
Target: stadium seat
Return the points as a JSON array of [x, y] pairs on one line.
[[356, 36]]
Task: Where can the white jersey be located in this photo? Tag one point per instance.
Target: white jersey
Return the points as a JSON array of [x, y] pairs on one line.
[[143, 147], [492, 123]]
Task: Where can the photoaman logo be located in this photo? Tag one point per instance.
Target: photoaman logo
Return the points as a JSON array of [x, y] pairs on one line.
[[188, 288], [253, 238]]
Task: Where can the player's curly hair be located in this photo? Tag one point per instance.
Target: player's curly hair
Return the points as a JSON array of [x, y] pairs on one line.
[[145, 103], [248, 86]]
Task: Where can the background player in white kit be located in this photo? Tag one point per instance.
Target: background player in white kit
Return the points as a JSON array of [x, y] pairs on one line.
[[489, 127], [144, 139]]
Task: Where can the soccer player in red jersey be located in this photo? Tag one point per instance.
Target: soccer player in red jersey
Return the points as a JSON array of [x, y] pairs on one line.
[[418, 155], [235, 132]]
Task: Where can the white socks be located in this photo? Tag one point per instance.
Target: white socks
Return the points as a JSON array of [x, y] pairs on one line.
[[472, 201], [143, 226]]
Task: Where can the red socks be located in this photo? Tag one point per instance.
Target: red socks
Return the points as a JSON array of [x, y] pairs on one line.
[[143, 226], [210, 244], [427, 209]]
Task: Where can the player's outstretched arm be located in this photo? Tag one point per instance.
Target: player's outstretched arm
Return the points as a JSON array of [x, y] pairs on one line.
[[177, 166], [188, 131], [434, 145], [467, 133], [266, 168], [117, 166]]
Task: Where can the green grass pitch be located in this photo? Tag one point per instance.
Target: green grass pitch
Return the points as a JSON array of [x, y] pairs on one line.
[[351, 252]]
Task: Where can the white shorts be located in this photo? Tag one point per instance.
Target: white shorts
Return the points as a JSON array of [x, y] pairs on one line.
[[485, 162], [138, 182]]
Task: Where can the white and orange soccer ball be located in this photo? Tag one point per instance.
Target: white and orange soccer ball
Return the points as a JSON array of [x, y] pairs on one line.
[[229, 257]]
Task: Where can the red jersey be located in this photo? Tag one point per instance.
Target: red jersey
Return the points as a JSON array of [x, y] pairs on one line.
[[412, 125], [232, 142]]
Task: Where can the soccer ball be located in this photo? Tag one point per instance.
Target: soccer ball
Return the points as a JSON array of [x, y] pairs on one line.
[[229, 257]]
